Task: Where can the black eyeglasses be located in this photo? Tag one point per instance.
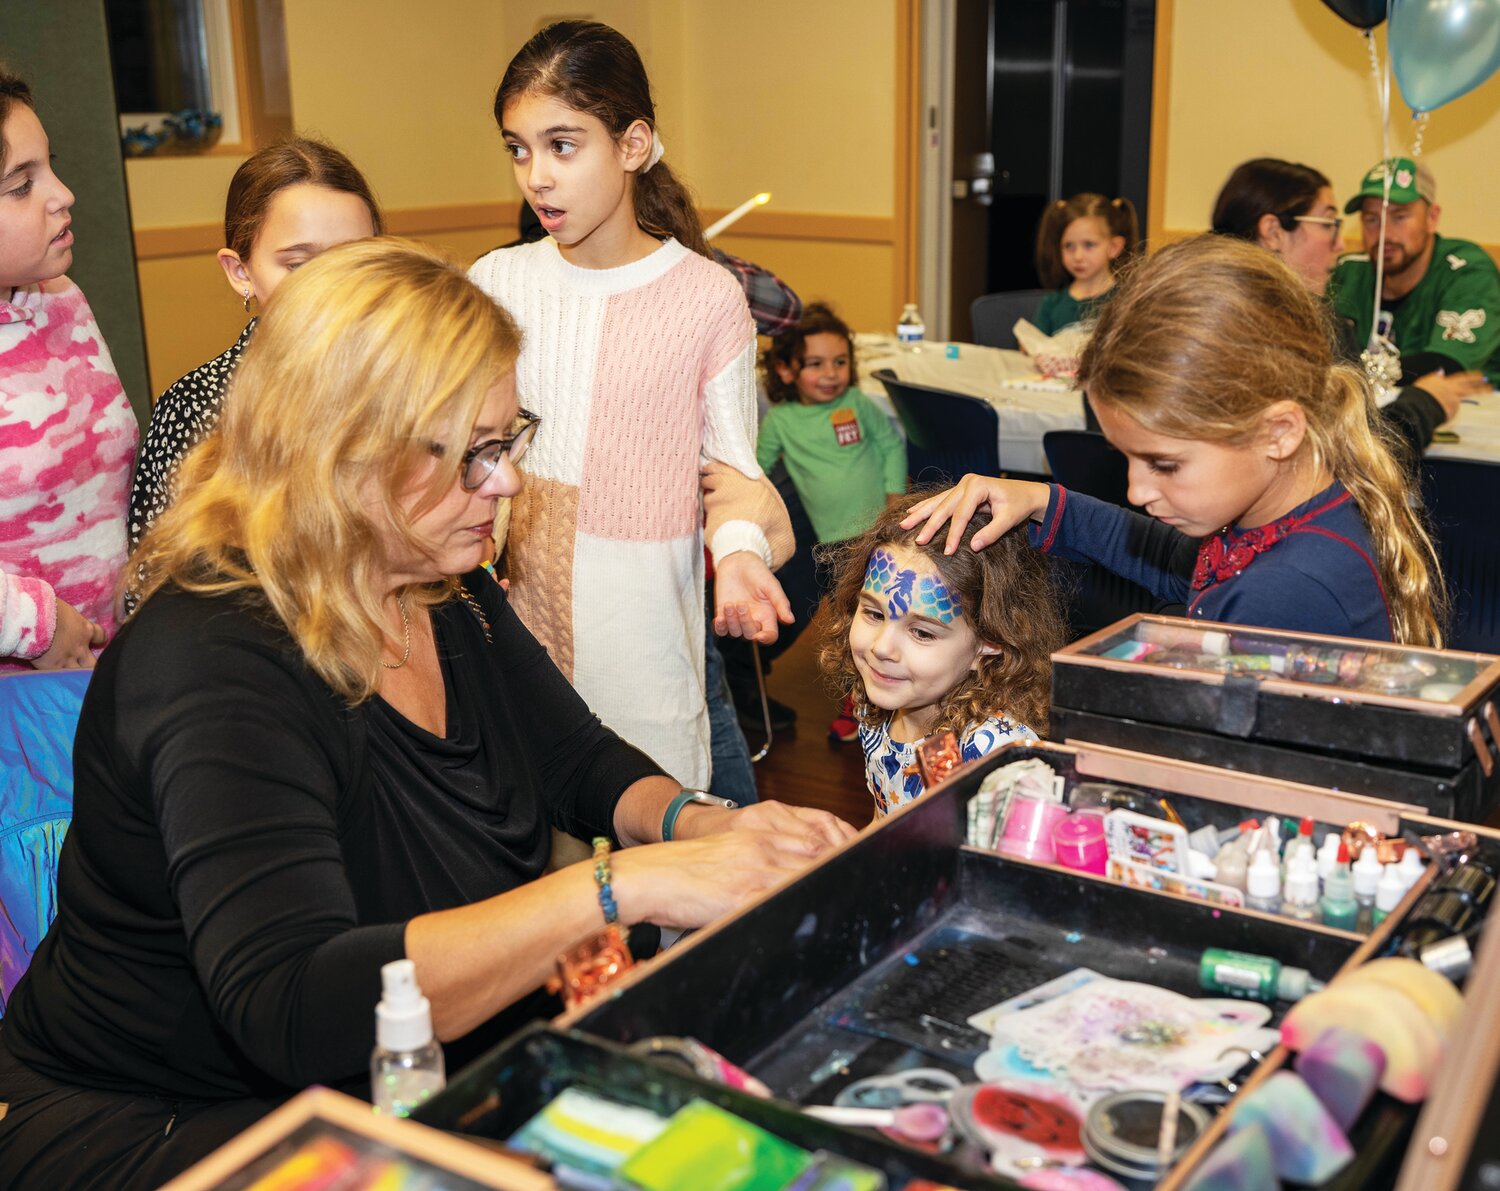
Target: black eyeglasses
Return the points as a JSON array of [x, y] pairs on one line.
[[479, 461]]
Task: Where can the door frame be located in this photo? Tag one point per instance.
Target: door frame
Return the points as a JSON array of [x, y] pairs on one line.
[[931, 232], [924, 157]]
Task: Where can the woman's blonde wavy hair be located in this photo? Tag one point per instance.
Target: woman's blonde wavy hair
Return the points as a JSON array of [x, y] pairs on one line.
[[368, 361], [1009, 597], [1206, 335]]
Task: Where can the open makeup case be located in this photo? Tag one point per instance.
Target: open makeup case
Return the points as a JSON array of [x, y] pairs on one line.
[[1066, 1019], [1415, 725]]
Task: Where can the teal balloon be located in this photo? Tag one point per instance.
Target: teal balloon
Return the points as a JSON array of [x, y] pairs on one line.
[[1441, 49]]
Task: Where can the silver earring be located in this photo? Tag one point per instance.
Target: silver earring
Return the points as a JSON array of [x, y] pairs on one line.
[[247, 301]]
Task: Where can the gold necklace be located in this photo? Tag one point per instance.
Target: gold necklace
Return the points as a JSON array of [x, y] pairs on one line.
[[405, 636]]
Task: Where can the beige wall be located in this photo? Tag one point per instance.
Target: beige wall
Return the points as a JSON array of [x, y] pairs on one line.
[[1287, 78], [742, 106]]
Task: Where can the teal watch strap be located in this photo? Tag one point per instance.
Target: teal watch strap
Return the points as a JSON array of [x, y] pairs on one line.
[[674, 808]]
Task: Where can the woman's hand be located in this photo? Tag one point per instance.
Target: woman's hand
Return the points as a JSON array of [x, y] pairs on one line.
[[748, 601], [809, 831], [1010, 502], [689, 883], [1449, 389], [72, 641]]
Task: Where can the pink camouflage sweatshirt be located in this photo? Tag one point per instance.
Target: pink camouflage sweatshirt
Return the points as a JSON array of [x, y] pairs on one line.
[[67, 445]]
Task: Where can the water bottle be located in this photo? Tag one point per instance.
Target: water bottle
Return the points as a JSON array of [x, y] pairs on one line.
[[406, 1067], [910, 330]]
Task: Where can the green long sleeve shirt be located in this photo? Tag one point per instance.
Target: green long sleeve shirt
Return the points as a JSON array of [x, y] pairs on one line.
[[1454, 311], [843, 456]]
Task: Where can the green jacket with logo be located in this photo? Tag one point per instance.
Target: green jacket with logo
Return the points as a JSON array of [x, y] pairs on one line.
[[1454, 311]]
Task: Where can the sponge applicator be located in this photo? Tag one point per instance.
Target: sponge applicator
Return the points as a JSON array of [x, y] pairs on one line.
[[1241, 1162], [1343, 1068], [1307, 1144]]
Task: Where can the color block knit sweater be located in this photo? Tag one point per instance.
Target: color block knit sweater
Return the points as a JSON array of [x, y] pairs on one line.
[[644, 377], [67, 444]]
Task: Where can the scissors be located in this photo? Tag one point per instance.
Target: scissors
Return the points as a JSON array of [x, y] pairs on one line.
[[914, 1086]]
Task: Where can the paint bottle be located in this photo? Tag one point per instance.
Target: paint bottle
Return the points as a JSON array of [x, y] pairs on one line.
[[1328, 856], [1411, 867], [1305, 838], [1253, 977], [1263, 883], [406, 1068], [1366, 881], [1388, 893], [1339, 907], [1232, 863], [1300, 895]]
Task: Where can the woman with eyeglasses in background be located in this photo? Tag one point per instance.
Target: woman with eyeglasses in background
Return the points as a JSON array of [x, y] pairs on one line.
[[1290, 209], [323, 742]]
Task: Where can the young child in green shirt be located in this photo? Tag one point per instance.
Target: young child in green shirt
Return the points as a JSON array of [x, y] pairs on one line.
[[1081, 244], [844, 457]]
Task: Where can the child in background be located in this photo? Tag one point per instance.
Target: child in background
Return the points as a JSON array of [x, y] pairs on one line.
[[639, 356], [1272, 501], [1080, 246], [923, 641], [67, 433], [845, 459]]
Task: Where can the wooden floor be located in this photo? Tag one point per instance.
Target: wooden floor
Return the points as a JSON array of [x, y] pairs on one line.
[[804, 767]]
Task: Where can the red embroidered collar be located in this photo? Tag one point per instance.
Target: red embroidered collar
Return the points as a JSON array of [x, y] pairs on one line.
[[1226, 554]]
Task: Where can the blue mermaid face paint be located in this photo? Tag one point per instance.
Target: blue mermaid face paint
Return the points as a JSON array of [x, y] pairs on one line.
[[908, 594], [910, 640]]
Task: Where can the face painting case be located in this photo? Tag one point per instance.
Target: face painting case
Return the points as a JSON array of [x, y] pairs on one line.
[[1414, 725], [871, 961]]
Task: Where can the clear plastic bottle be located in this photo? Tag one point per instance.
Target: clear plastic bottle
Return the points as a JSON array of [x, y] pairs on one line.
[[1366, 880], [1388, 893], [1300, 896], [406, 1067], [1232, 863], [1263, 883], [910, 329]]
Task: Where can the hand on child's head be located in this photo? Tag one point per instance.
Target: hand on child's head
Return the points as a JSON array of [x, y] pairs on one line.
[[1008, 502]]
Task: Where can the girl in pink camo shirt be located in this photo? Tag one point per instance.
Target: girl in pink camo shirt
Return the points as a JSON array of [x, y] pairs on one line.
[[67, 433]]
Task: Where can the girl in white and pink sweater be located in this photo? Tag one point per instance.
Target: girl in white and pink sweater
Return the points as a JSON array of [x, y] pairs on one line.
[[639, 356], [67, 433]]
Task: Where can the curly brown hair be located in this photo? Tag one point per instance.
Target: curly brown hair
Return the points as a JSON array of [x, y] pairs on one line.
[[789, 348], [1007, 590]]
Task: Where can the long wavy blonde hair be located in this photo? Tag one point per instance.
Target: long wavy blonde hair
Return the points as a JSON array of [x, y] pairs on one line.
[[369, 360], [1206, 335]]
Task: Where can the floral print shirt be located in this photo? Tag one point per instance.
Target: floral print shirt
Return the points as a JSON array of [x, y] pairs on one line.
[[891, 765]]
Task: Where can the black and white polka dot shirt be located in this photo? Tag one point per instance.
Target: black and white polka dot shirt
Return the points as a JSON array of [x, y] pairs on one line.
[[187, 411]]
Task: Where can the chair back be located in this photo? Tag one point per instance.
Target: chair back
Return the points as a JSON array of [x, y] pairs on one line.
[[38, 719], [993, 315], [947, 434], [1460, 498], [1083, 461]]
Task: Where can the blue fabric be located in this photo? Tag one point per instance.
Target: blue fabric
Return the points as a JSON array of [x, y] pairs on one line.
[[733, 772], [38, 718], [1321, 578]]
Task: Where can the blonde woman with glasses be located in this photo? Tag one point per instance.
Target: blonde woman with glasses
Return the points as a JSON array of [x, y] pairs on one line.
[[325, 742]]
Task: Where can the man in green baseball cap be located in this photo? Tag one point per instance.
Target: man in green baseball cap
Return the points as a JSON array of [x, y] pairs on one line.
[[1440, 297]]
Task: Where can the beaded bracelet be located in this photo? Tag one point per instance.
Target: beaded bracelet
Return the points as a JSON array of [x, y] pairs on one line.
[[606, 894]]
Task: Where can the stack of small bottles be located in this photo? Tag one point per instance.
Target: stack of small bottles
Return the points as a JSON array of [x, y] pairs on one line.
[[1342, 884], [1352, 882]]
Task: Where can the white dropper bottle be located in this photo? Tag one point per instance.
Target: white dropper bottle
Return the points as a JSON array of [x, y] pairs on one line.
[[406, 1067]]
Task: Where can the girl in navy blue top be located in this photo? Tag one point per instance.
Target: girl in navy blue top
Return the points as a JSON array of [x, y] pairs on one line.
[[1272, 500]]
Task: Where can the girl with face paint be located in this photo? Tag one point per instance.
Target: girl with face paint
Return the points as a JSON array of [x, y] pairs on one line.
[[923, 642]]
